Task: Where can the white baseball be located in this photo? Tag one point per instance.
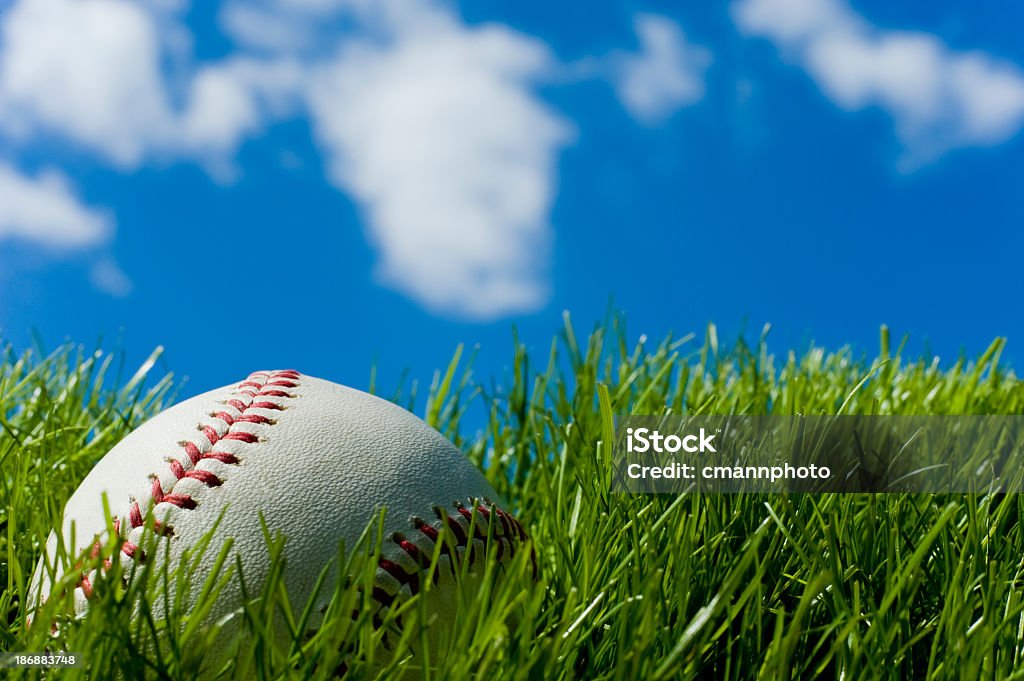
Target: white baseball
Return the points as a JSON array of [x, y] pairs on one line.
[[316, 459]]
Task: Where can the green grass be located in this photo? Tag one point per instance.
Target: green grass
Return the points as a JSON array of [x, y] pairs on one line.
[[629, 587]]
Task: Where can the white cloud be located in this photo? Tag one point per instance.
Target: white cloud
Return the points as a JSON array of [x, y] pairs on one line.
[[222, 109], [433, 126], [665, 75], [107, 276], [166, 6], [438, 134], [792, 22], [44, 210], [940, 99], [262, 28], [91, 71], [318, 6]]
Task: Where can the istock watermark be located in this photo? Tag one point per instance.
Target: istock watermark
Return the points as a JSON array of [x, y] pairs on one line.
[[642, 440], [884, 454]]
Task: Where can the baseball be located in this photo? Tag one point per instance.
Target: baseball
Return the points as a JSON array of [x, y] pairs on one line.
[[315, 459]]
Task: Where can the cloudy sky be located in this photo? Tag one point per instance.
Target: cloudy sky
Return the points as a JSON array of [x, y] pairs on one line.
[[325, 184]]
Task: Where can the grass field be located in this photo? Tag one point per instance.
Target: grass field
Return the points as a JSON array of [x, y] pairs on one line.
[[629, 587]]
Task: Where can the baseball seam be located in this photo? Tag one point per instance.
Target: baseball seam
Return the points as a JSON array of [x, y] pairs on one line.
[[243, 398], [392, 577], [507, 537], [272, 385]]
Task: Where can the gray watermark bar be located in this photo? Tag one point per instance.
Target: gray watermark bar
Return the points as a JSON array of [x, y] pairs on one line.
[[29, 660], [897, 454]]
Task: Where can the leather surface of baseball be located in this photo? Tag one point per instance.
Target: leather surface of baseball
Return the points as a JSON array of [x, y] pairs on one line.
[[316, 459]]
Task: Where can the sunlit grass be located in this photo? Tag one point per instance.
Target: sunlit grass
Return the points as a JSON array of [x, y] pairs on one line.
[[629, 587]]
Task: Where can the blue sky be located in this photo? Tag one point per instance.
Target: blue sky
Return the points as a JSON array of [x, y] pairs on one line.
[[325, 184]]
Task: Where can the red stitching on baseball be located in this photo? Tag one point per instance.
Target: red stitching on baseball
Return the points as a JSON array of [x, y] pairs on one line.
[[225, 417], [86, 585], [223, 457], [205, 477], [507, 533], [192, 451], [253, 418], [255, 385], [242, 436], [412, 580], [382, 596], [460, 534], [412, 550], [486, 513], [211, 434], [425, 529]]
